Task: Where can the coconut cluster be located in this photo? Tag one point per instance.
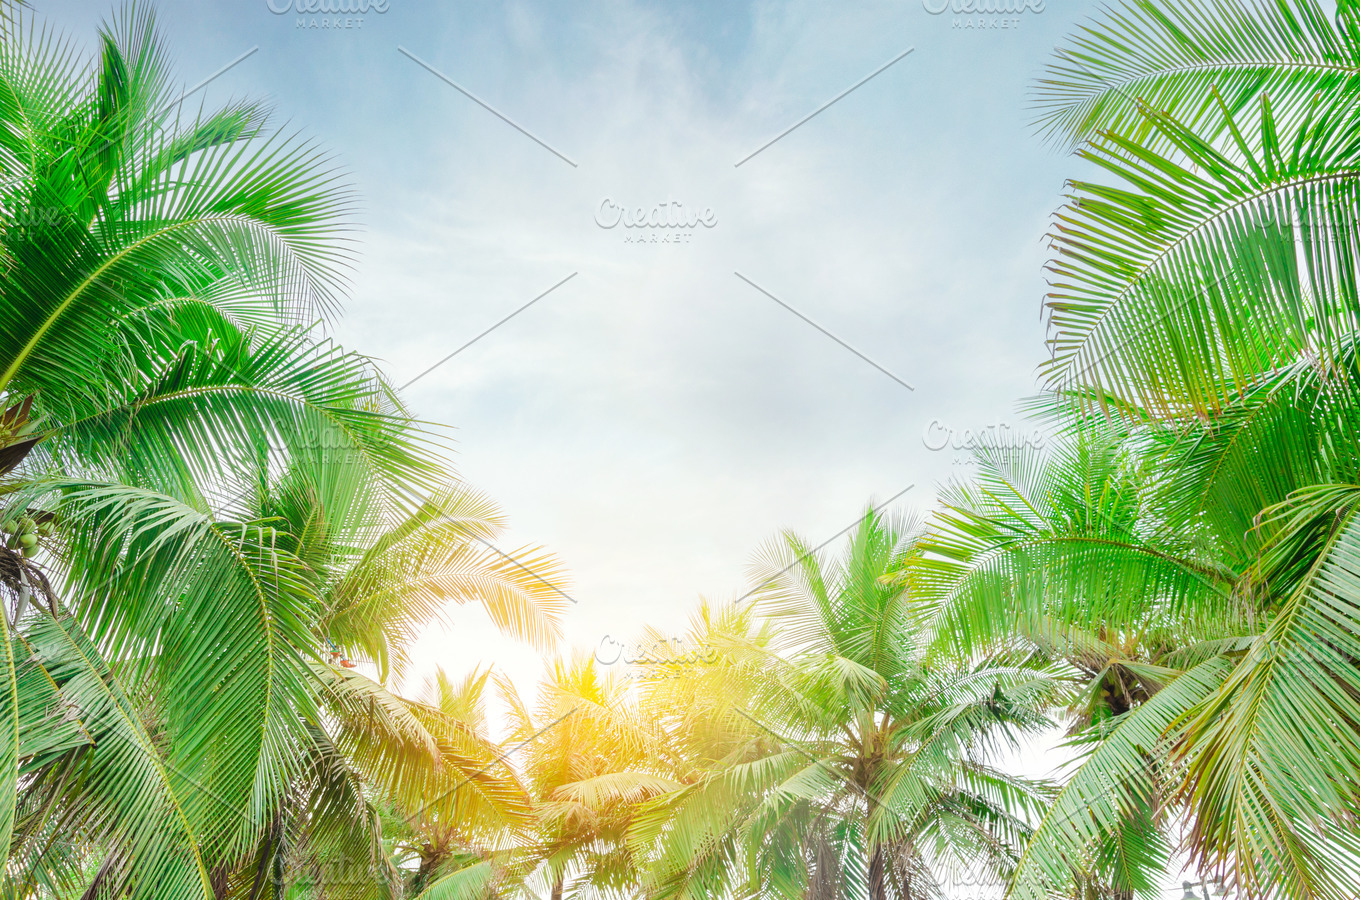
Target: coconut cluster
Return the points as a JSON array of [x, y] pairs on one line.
[[24, 533]]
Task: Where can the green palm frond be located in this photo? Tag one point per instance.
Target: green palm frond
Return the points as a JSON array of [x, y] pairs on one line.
[[125, 204], [1050, 545], [11, 730], [440, 555], [1282, 733], [1292, 431], [123, 790], [1178, 290], [205, 411], [1177, 58], [1119, 775], [219, 616]]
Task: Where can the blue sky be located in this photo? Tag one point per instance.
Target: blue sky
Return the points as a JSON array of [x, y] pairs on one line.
[[657, 417]]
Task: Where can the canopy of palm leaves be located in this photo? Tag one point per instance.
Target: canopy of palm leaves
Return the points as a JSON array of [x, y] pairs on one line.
[[210, 512], [1188, 546], [206, 498], [853, 765]]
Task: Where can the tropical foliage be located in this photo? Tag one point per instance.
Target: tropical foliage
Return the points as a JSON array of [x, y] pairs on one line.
[[1189, 542], [857, 766], [223, 533], [210, 507]]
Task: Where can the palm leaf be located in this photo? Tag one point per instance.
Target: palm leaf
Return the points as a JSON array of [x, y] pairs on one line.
[[1274, 753], [1175, 58]]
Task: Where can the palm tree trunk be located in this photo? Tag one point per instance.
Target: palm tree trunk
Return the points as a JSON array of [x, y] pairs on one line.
[[878, 882], [558, 884]]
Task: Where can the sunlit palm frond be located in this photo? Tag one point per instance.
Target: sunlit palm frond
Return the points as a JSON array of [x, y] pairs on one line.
[[1175, 58], [1178, 289]]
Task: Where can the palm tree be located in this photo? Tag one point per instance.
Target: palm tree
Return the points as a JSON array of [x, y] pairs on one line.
[[589, 760], [693, 688], [591, 757], [353, 748], [433, 765], [1203, 308], [155, 266], [1063, 551], [461, 833], [203, 496], [864, 768]]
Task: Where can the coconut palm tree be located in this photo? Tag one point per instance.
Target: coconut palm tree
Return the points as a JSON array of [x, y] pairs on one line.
[[1062, 551], [591, 757], [462, 836], [354, 749], [202, 495], [1204, 301], [156, 264], [432, 766], [864, 770], [589, 760], [694, 688]]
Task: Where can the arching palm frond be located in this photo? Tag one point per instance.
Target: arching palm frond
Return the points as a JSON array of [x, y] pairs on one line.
[[1185, 59], [442, 554], [1274, 754], [118, 201], [1121, 774], [1050, 546], [1181, 288], [121, 790]]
